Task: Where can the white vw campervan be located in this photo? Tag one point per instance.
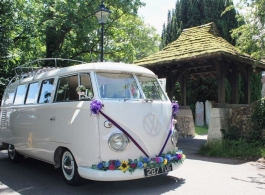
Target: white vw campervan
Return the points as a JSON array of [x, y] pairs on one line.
[[99, 121]]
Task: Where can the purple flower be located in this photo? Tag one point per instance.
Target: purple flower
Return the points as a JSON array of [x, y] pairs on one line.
[[100, 165], [95, 106], [175, 107], [117, 163], [179, 156]]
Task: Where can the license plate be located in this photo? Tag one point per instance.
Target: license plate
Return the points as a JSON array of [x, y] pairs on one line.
[[156, 171]]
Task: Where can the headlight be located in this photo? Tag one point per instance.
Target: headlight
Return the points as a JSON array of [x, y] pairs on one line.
[[175, 137], [118, 142]]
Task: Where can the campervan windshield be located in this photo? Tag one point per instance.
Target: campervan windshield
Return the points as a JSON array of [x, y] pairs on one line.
[[124, 86]]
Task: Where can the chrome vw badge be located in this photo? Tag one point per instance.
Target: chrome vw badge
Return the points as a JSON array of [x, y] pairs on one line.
[[152, 124]]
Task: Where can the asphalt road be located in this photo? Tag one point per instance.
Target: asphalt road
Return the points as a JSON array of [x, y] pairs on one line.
[[198, 176]]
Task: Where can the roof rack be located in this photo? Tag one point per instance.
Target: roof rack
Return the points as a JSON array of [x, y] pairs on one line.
[[25, 68], [28, 69]]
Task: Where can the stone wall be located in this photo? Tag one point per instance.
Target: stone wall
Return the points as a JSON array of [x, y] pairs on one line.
[[241, 118], [227, 115], [185, 122]]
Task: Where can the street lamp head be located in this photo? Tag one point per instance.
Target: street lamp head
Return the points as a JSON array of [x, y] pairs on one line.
[[102, 14]]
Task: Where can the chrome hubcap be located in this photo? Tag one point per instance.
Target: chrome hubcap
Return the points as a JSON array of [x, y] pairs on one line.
[[11, 151], [68, 165]]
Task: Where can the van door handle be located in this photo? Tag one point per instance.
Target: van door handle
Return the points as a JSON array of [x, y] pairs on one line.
[[52, 118]]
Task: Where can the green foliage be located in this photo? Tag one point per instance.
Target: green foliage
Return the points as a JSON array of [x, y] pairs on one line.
[[190, 13], [201, 130], [256, 134], [255, 87], [233, 133], [232, 149], [69, 29], [250, 36]]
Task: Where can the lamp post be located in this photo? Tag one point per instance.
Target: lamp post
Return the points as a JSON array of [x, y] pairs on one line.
[[102, 15]]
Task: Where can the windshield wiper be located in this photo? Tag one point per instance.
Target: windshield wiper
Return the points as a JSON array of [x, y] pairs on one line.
[[147, 100], [125, 99]]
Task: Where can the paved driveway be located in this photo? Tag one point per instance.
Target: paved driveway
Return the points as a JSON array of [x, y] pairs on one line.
[[198, 176], [216, 176]]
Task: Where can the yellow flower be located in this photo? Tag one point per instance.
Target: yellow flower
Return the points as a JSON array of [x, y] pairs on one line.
[[165, 161], [124, 166], [145, 164], [183, 156]]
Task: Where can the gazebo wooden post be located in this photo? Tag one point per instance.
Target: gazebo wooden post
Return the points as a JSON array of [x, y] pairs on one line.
[[247, 78], [221, 73], [234, 84], [183, 85]]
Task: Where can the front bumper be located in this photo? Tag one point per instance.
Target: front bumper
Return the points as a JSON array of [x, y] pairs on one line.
[[113, 175]]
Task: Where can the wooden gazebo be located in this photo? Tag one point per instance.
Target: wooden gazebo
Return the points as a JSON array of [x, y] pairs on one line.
[[200, 52]]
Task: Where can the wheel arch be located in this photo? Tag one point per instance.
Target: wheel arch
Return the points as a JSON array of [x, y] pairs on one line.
[[57, 155]]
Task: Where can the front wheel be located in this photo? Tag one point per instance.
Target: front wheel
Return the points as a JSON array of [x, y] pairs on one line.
[[69, 168], [13, 155]]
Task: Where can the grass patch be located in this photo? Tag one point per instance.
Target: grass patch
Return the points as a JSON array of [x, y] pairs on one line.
[[232, 149], [201, 130]]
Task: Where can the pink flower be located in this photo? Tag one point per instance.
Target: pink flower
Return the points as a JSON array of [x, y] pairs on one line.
[[179, 156], [111, 167]]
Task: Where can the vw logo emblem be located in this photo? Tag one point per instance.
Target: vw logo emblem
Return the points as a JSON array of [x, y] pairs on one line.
[[151, 124]]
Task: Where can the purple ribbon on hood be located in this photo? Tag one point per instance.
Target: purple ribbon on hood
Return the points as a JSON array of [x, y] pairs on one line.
[[95, 108], [175, 109]]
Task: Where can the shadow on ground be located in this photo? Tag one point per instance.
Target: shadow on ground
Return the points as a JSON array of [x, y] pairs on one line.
[[191, 145]]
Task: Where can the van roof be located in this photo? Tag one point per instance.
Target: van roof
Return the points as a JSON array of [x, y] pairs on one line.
[[112, 67]]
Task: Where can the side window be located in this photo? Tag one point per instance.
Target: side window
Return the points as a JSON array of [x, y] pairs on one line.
[[20, 94], [32, 93], [9, 95], [66, 89], [86, 82], [46, 91]]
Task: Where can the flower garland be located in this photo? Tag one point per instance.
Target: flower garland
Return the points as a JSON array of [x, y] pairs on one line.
[[141, 163]]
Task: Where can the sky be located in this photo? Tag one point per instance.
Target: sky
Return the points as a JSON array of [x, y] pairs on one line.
[[155, 12]]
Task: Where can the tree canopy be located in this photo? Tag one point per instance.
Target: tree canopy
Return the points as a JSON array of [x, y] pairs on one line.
[[32, 29], [190, 13], [251, 35]]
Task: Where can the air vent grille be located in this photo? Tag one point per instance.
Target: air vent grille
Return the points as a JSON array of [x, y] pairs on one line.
[[3, 120]]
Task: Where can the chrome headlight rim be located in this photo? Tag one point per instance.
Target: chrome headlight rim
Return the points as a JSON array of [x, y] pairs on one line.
[[125, 143], [174, 137]]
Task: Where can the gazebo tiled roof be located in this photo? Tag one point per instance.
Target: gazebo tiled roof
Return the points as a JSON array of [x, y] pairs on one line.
[[198, 42]]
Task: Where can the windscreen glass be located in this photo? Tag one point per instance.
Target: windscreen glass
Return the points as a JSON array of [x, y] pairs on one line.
[[151, 88], [117, 86]]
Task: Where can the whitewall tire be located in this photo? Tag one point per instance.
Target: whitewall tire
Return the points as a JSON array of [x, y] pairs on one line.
[[13, 155], [69, 168]]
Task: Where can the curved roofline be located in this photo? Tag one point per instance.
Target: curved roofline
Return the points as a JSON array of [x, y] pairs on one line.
[[112, 67]]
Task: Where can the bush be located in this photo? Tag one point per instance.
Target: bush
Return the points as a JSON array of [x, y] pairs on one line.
[[232, 149], [233, 133]]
